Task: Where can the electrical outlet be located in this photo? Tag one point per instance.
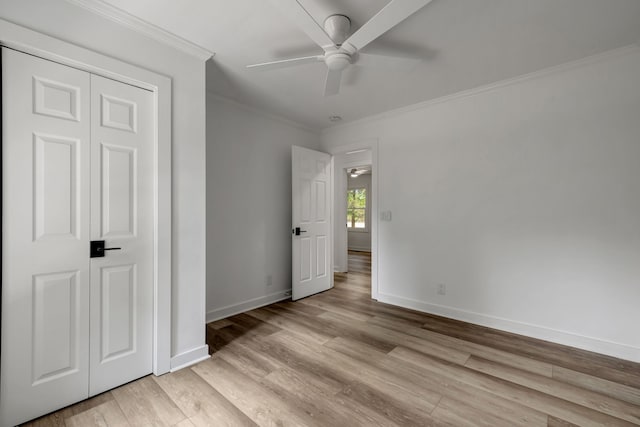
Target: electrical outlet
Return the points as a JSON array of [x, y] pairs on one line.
[[268, 280], [442, 289]]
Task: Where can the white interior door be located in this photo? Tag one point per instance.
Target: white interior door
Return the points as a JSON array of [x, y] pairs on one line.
[[45, 233], [70, 324], [122, 216], [311, 217]]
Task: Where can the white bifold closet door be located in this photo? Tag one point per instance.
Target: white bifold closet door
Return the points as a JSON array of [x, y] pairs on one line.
[[77, 165]]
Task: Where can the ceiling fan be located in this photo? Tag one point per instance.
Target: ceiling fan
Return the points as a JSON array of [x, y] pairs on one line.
[[356, 172], [340, 49]]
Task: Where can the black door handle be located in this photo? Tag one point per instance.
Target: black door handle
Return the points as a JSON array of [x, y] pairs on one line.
[[297, 231], [97, 249]]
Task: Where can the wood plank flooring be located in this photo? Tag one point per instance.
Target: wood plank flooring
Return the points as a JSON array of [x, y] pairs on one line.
[[341, 359]]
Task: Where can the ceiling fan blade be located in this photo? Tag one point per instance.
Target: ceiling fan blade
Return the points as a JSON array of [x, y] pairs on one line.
[[392, 14], [305, 21], [284, 63], [332, 85], [399, 50], [399, 63]]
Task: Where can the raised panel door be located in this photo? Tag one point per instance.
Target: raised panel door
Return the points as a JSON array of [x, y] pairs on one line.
[[311, 207], [45, 233], [121, 214], [77, 165]]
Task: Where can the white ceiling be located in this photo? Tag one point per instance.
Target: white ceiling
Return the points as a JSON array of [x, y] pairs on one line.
[[464, 43]]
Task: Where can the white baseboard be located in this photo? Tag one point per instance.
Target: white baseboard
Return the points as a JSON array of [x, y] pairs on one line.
[[241, 307], [189, 358], [621, 351], [339, 269]]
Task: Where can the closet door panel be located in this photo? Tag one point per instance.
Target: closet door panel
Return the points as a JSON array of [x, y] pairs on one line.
[[121, 215], [45, 234]]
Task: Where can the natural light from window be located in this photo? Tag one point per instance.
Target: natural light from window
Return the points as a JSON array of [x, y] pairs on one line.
[[357, 208]]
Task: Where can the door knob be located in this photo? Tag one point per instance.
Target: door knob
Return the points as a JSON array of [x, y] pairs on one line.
[[97, 249], [297, 231]]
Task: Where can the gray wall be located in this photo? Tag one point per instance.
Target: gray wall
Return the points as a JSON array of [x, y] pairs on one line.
[[523, 198], [248, 206]]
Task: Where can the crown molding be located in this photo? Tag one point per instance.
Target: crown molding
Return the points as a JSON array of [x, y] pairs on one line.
[[593, 59], [134, 23]]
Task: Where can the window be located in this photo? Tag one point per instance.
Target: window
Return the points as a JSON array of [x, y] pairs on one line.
[[357, 209]]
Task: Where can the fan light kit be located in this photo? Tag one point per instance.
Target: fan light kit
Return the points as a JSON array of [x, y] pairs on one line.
[[340, 49]]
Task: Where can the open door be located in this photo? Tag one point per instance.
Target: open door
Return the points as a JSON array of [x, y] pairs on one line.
[[311, 222]]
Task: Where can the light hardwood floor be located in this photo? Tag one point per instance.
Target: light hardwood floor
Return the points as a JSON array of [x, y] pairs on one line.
[[340, 359]]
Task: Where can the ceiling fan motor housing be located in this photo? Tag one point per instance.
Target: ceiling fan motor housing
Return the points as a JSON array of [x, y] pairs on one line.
[[338, 28]]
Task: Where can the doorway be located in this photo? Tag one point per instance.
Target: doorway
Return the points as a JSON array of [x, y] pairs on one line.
[[364, 234]]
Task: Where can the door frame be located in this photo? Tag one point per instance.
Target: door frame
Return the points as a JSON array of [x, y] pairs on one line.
[[31, 42], [338, 154]]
